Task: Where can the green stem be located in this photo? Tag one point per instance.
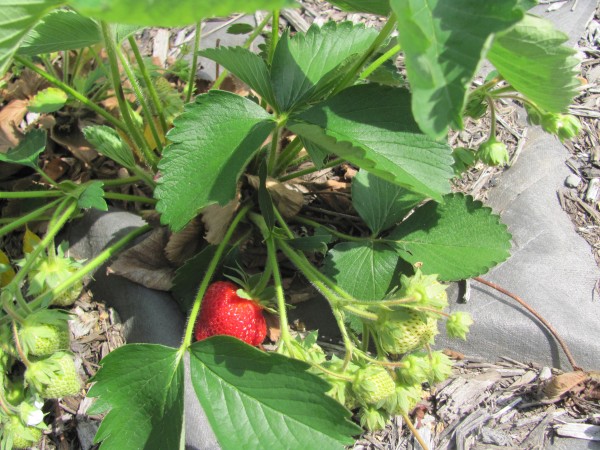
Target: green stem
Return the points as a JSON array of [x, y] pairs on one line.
[[493, 118], [366, 337], [121, 181], [379, 61], [379, 362], [70, 206], [387, 29], [156, 103], [130, 198], [91, 266], [31, 194], [334, 232], [283, 224], [192, 80], [73, 93], [300, 173], [131, 128], [12, 314], [313, 275], [275, 138], [486, 86], [77, 64], [45, 176], [210, 270], [247, 44], [20, 352], [48, 65], [339, 318], [5, 406], [141, 97], [288, 154], [360, 312], [274, 35], [65, 66], [283, 320]]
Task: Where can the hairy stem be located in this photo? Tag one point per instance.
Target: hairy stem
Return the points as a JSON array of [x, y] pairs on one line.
[[283, 320], [274, 35], [414, 432], [156, 103], [300, 173], [140, 97], [192, 79], [20, 221], [131, 128], [379, 61], [130, 198]]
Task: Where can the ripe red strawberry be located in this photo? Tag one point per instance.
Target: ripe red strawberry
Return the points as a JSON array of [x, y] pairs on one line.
[[223, 311]]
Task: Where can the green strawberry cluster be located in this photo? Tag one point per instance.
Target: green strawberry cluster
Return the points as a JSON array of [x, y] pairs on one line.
[[39, 342], [401, 330]]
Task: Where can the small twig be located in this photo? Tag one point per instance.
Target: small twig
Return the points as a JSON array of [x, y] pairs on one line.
[[544, 322], [414, 431]]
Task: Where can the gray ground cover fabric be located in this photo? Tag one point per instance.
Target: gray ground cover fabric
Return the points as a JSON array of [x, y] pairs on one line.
[[551, 267]]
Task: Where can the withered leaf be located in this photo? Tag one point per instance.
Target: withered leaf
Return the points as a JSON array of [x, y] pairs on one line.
[[146, 263], [287, 198]]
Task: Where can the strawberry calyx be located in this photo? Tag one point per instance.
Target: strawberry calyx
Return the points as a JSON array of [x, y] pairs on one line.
[[44, 332], [426, 290]]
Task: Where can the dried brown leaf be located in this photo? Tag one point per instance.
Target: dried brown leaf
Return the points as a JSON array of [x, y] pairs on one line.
[[11, 116], [287, 197], [216, 219], [71, 137], [145, 263], [561, 384], [185, 244]]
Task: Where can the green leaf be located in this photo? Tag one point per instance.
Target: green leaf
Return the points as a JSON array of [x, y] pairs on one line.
[[61, 30], [240, 28], [380, 203], [212, 142], [162, 13], [443, 43], [307, 65], [123, 31], [255, 399], [265, 202], [108, 142], [247, 66], [17, 17], [315, 243], [141, 387], [387, 74], [372, 127], [457, 239], [316, 153], [93, 196], [380, 7], [48, 100], [366, 270], [27, 151], [531, 56]]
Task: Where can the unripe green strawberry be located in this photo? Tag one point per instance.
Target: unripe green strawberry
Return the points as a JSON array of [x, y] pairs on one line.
[[19, 434], [341, 389], [372, 385], [404, 399], [414, 368], [55, 376], [404, 330], [372, 418], [45, 332]]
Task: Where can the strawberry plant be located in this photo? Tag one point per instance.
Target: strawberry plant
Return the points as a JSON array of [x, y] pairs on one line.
[[329, 96]]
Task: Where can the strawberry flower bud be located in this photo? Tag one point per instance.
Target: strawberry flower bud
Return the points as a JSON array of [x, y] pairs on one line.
[[457, 325], [493, 152]]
